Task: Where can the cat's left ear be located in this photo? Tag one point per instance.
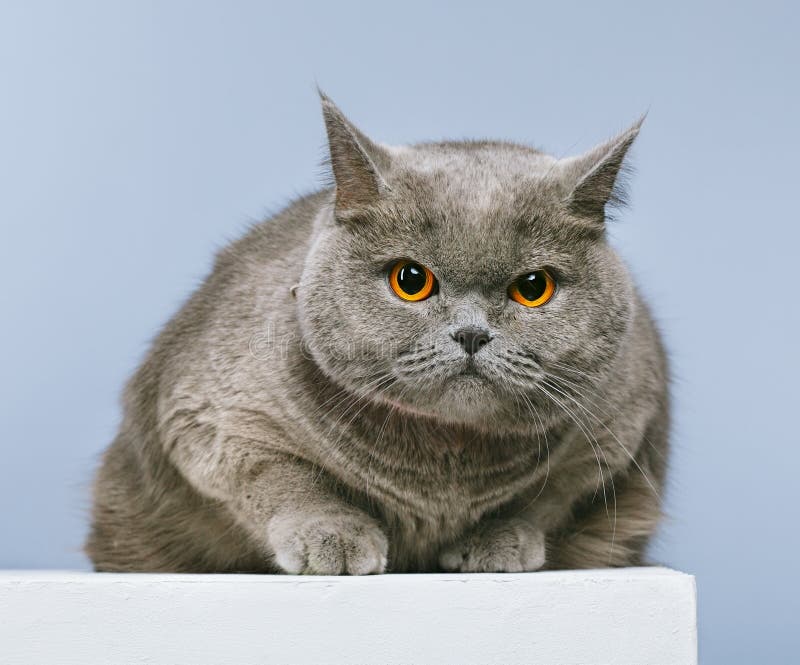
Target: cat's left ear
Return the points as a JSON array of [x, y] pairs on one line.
[[593, 180], [357, 163]]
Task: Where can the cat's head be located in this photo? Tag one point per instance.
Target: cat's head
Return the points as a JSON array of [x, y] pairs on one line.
[[456, 279]]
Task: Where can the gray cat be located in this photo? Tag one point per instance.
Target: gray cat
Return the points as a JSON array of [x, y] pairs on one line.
[[438, 363]]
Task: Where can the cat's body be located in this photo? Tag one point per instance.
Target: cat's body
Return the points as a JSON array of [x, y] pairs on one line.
[[296, 416]]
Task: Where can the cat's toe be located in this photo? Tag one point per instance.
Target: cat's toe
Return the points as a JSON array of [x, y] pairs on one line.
[[328, 545], [501, 546], [452, 557]]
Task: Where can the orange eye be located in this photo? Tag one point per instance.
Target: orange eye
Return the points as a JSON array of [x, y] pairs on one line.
[[533, 289], [411, 281]]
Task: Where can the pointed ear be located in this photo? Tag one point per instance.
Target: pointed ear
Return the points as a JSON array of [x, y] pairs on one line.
[[356, 162], [594, 178]]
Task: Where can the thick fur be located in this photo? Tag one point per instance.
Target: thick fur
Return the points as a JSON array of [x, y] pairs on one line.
[[297, 416]]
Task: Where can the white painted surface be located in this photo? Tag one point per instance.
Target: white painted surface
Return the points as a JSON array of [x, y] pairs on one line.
[[633, 616]]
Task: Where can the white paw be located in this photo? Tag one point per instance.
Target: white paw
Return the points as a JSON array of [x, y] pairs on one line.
[[328, 544]]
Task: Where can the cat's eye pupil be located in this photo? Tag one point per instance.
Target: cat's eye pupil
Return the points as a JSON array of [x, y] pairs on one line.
[[533, 286], [412, 278]]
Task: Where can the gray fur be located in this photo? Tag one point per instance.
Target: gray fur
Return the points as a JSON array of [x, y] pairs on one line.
[[296, 416]]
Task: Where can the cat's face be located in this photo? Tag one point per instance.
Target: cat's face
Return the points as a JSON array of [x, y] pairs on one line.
[[409, 296]]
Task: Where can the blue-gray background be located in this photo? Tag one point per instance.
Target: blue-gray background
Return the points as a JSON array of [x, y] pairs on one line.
[[137, 138]]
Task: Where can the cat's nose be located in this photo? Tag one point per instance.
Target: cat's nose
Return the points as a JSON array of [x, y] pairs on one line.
[[472, 338]]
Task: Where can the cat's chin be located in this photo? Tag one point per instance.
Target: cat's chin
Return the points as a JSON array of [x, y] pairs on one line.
[[468, 397], [463, 398]]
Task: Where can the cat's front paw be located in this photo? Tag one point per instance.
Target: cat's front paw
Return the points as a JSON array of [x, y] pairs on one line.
[[328, 544], [496, 546]]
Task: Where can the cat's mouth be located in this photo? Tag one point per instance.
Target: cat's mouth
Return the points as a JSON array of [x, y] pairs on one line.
[[463, 389], [469, 372]]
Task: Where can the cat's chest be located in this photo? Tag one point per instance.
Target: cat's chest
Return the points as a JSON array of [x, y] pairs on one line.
[[427, 505], [429, 485], [443, 479]]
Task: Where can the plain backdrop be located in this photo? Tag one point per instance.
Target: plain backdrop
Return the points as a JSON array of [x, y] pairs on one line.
[[136, 138]]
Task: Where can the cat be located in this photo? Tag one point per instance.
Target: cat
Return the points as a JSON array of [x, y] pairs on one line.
[[438, 363]]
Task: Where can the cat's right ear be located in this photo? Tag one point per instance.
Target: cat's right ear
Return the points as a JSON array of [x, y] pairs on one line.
[[356, 163]]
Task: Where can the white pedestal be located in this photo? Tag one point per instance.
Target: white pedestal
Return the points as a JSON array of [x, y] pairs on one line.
[[634, 616]]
